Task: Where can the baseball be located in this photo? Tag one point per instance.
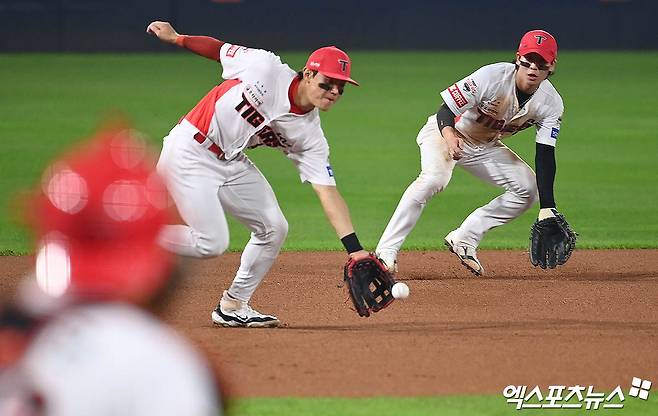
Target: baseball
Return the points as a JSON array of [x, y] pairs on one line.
[[400, 290]]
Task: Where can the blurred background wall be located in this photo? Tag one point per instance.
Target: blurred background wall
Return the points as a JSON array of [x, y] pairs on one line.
[[117, 26]]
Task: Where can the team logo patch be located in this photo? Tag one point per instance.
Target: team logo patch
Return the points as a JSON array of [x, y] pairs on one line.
[[343, 64], [554, 132], [330, 171], [457, 96], [470, 86], [490, 107], [256, 93], [232, 50]]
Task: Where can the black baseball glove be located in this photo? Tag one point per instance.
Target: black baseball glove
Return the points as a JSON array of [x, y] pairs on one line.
[[369, 284], [551, 241]]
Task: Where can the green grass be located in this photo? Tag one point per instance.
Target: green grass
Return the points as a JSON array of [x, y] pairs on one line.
[[415, 406], [607, 151]]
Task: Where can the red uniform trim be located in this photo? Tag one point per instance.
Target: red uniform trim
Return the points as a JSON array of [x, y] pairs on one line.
[[201, 115], [294, 85]]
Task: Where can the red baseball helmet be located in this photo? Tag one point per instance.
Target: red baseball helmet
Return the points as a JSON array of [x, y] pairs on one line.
[[540, 42], [98, 217], [331, 62]]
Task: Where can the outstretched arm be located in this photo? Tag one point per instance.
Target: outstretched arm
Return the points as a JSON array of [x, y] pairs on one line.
[[552, 240], [338, 215], [545, 166], [201, 45]]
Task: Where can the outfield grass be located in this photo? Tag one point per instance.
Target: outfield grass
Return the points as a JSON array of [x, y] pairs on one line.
[[607, 149], [415, 406]]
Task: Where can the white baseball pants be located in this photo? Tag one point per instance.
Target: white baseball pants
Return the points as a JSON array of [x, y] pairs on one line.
[[204, 189], [493, 162]]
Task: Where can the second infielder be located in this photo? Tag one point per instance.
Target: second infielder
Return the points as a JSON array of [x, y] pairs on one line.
[[494, 102]]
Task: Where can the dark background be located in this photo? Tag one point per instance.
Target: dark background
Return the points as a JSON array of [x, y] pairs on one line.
[[115, 26]]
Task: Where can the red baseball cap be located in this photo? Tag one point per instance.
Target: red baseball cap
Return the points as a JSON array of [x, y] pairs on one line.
[[331, 62], [99, 214], [540, 42]]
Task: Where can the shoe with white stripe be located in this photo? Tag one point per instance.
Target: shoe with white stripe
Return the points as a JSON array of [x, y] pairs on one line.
[[466, 254], [236, 313]]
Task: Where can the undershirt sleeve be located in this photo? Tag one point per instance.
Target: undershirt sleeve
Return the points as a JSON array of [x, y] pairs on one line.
[[205, 46], [545, 166]]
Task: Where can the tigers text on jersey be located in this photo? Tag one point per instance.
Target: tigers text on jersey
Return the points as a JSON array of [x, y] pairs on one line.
[[487, 108], [253, 107]]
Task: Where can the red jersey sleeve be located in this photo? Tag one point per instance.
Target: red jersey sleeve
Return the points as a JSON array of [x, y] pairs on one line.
[[201, 45]]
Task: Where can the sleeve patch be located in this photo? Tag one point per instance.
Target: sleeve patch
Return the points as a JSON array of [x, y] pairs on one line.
[[457, 96], [330, 171], [554, 132], [470, 86], [233, 49]]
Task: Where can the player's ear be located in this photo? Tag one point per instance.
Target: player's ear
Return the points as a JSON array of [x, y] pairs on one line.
[[551, 68], [309, 73]]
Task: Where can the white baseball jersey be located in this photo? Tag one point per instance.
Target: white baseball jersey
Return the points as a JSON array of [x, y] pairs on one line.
[[253, 107], [487, 108], [110, 359]]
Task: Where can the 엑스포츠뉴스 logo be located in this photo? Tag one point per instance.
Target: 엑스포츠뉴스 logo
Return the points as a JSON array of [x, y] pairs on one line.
[[574, 397], [640, 388]]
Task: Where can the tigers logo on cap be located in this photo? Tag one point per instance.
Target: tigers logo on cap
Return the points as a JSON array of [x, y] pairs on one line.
[[331, 62], [540, 42]]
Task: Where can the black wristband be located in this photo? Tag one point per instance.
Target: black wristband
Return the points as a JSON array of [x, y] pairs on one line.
[[351, 243]]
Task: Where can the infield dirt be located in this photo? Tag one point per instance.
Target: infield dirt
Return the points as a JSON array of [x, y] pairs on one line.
[[593, 322]]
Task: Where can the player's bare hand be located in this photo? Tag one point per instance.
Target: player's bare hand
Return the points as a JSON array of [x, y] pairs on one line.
[[359, 255], [455, 143], [163, 30]]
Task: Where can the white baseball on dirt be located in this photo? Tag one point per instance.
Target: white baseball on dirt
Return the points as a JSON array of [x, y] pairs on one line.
[[400, 290]]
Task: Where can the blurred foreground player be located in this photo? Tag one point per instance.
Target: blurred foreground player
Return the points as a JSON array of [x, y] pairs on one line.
[[97, 350]]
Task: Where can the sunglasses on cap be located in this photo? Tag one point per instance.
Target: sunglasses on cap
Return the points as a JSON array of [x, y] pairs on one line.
[[328, 86], [527, 64]]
